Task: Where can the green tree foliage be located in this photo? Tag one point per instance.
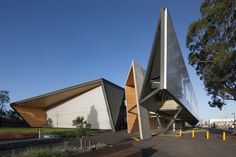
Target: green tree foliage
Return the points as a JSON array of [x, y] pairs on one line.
[[12, 115], [4, 98], [81, 126], [49, 123], [212, 44]]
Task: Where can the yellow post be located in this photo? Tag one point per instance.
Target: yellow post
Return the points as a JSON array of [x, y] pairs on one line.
[[207, 135], [180, 132], [224, 136], [192, 133]]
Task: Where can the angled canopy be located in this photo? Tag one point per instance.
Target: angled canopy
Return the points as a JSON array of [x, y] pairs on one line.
[[33, 110]]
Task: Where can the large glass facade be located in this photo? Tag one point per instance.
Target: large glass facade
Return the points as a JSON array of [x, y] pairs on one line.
[[178, 81]]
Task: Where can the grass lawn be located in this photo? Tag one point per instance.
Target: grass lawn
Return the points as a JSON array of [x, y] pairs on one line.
[[25, 130], [34, 130], [63, 132]]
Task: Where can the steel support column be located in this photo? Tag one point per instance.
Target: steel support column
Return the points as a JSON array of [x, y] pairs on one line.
[[173, 120], [159, 123], [149, 96]]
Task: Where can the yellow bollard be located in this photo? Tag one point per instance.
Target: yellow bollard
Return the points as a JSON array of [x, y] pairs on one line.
[[180, 132], [224, 136], [192, 133], [207, 135]]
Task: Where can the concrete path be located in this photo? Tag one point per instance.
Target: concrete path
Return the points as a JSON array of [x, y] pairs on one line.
[[172, 146]]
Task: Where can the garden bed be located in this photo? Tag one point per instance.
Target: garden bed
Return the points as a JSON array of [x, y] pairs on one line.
[[121, 150], [98, 150]]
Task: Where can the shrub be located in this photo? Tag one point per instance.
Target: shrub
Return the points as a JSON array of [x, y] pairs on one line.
[[81, 126], [64, 134], [43, 152], [56, 151], [49, 123]]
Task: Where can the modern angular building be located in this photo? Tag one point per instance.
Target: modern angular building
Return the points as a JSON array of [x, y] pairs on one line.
[[100, 102], [165, 90], [160, 98]]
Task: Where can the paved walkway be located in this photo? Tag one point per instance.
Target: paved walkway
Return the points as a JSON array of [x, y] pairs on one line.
[[167, 146]]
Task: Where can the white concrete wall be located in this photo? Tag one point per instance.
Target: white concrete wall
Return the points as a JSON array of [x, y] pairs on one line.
[[223, 120], [143, 116], [90, 105]]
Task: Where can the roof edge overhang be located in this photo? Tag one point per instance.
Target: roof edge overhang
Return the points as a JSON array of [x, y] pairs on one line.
[[58, 91], [183, 106]]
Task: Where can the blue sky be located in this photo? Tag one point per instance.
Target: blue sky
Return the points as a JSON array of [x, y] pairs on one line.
[[49, 45]]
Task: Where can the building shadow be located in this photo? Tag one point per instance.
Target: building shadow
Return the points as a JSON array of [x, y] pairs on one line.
[[92, 118], [149, 151]]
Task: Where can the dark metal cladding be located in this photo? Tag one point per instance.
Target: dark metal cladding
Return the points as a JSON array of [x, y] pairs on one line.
[[178, 80]]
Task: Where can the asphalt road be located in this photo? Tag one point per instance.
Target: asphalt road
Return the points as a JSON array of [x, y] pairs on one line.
[[170, 146], [175, 146]]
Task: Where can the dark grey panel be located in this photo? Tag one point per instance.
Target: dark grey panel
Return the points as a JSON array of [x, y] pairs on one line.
[[154, 64], [115, 98], [178, 81]]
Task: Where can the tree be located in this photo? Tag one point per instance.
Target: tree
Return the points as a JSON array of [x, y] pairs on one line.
[[81, 126], [49, 123], [12, 115], [212, 44], [4, 98], [3, 113]]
